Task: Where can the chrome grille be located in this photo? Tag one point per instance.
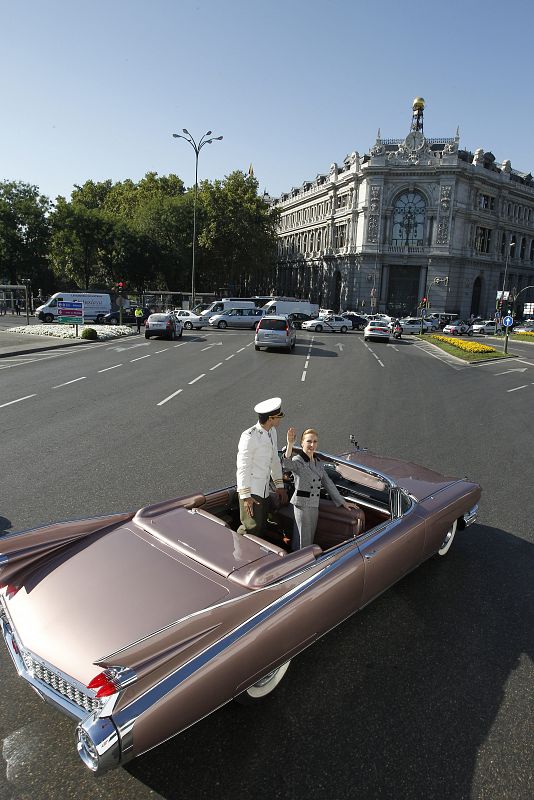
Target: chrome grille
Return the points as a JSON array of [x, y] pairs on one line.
[[59, 684]]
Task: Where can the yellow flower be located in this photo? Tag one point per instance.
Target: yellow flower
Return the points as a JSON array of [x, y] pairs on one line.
[[466, 346]]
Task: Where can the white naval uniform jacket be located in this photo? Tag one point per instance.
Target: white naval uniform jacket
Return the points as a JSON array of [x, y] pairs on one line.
[[257, 461]]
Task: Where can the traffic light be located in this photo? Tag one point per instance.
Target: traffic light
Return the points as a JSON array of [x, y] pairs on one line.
[[120, 286]]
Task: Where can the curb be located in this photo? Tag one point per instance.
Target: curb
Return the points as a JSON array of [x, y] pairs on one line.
[[44, 349]]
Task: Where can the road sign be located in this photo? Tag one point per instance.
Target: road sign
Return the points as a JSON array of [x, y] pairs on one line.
[[70, 313], [508, 322]]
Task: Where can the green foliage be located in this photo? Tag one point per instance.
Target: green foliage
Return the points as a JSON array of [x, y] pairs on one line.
[[24, 233], [89, 333], [142, 233]]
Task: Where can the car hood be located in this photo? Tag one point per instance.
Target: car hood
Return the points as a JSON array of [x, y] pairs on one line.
[[419, 481], [105, 592]]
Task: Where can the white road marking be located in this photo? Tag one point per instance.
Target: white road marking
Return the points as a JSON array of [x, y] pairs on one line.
[[240, 349], [306, 363], [68, 382], [303, 376], [229, 357], [161, 351], [507, 372], [521, 361], [27, 397], [181, 344], [140, 357], [517, 388], [169, 397], [340, 347], [197, 378], [216, 365], [108, 368]]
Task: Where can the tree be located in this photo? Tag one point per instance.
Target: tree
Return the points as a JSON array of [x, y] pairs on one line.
[[24, 233], [238, 235], [77, 236]]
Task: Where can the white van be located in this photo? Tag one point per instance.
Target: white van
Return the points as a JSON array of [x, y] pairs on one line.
[[223, 306], [95, 306], [286, 307]]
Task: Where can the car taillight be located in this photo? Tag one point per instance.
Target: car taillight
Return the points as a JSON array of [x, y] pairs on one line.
[[103, 685], [11, 589], [169, 324]]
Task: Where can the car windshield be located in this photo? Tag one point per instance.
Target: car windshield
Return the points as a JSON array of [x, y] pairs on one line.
[[158, 317]]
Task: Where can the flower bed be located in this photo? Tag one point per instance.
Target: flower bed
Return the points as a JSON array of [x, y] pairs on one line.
[[69, 331], [466, 346]]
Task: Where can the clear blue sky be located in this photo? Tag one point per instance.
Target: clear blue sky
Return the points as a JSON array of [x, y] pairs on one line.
[[96, 89]]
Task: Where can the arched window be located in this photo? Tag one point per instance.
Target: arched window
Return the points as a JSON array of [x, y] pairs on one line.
[[408, 220]]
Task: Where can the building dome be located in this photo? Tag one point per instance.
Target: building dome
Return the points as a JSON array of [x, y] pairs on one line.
[[418, 104]]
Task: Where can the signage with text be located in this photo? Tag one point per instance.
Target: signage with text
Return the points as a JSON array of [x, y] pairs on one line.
[[70, 313]]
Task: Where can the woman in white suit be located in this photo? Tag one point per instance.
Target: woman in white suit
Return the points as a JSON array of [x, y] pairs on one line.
[[310, 475]]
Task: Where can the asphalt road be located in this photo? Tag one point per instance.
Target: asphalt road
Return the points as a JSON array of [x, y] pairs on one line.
[[425, 694]]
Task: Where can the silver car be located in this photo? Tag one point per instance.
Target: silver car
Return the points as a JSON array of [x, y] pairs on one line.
[[189, 319], [164, 324], [237, 318], [275, 331]]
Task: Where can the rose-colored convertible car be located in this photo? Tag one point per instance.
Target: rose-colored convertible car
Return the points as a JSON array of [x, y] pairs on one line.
[[201, 614]]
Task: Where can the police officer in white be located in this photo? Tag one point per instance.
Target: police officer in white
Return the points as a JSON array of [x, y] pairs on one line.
[[257, 462]]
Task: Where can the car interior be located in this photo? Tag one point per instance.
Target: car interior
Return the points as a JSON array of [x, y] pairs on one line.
[[335, 525]]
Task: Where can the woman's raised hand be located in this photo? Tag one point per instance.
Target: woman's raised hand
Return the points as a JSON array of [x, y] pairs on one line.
[[291, 436]]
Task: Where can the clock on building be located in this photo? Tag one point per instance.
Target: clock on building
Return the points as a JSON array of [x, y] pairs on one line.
[[415, 140], [409, 220]]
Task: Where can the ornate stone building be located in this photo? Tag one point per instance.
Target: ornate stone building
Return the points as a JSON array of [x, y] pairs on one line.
[[411, 218]]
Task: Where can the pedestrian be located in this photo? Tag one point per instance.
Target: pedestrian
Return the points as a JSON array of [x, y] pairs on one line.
[[310, 476], [257, 462], [17, 307], [138, 313]]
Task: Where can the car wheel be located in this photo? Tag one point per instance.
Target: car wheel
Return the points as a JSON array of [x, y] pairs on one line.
[[99, 319], [343, 329], [318, 328], [181, 333], [365, 339], [222, 324], [114, 321], [172, 335], [448, 540], [188, 326], [147, 335], [469, 333], [256, 347], [264, 686]]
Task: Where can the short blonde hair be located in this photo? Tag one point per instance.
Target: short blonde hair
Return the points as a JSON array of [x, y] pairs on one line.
[[307, 431]]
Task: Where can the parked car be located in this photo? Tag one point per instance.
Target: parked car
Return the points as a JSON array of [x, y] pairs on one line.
[[165, 324], [458, 328], [376, 329], [237, 318], [114, 317], [524, 327], [328, 322], [298, 317], [413, 325], [358, 322], [205, 614], [275, 331], [488, 326], [189, 319]]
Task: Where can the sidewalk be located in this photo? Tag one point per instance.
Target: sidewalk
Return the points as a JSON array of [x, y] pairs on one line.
[[18, 344]]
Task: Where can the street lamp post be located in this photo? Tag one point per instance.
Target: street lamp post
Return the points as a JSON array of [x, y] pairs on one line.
[[510, 246], [206, 139]]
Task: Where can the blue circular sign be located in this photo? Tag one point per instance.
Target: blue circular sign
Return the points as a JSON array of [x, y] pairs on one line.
[[508, 322]]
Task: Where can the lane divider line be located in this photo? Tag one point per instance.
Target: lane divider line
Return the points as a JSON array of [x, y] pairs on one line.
[[517, 388], [229, 357], [216, 365], [140, 357], [197, 378], [18, 400], [108, 368], [169, 397], [68, 382]]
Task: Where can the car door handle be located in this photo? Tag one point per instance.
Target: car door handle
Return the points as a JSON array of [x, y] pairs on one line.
[[370, 554]]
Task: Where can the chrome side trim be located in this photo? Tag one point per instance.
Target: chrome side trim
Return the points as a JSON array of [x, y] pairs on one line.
[[126, 717], [470, 516]]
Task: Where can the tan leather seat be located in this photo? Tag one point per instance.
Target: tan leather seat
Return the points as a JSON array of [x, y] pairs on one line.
[[336, 525]]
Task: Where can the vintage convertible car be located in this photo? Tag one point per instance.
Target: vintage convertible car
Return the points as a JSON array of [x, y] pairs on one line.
[[203, 615]]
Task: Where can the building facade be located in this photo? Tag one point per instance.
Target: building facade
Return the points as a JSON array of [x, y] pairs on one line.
[[412, 218]]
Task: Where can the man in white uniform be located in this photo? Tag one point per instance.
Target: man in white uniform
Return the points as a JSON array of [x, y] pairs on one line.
[[257, 462]]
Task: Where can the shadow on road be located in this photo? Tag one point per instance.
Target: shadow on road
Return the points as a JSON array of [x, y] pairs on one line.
[[5, 524], [398, 702]]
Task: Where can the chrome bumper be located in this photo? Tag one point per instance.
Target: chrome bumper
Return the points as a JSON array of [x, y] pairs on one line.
[[470, 516]]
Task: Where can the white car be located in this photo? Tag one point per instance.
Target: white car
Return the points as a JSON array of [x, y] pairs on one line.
[[488, 326], [377, 329], [413, 325], [328, 322], [458, 328], [189, 319]]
